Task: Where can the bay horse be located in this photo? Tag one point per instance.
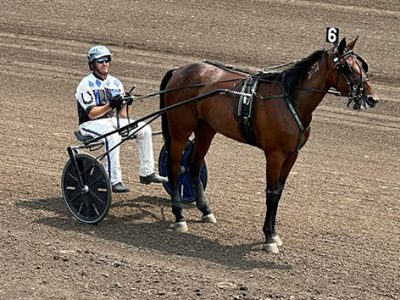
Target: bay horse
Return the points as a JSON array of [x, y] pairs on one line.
[[279, 122]]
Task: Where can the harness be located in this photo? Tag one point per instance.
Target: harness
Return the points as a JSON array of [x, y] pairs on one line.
[[244, 109], [231, 69], [356, 86], [286, 96], [244, 105]]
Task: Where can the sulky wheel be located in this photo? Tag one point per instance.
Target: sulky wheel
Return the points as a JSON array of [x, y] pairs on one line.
[[184, 180], [88, 203]]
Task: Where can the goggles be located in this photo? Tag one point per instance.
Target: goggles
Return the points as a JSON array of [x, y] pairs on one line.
[[101, 60]]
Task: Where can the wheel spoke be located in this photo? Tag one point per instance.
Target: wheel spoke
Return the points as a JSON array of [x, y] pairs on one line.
[[97, 197], [76, 197], [95, 209], [97, 179], [80, 208], [73, 177], [91, 171], [87, 169]]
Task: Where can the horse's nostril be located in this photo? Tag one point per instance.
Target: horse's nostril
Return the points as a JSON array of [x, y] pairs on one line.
[[372, 101], [373, 98]]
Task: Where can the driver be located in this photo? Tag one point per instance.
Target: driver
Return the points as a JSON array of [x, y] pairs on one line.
[[99, 98]]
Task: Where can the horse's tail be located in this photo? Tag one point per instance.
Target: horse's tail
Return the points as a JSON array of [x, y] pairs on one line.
[[164, 118]]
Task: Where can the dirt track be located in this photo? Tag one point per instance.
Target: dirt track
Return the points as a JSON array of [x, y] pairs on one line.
[[339, 215]]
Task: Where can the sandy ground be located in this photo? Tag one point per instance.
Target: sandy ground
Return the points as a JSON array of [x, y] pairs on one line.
[[339, 215]]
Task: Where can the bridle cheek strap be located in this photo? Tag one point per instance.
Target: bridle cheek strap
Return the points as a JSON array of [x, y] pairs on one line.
[[355, 86]]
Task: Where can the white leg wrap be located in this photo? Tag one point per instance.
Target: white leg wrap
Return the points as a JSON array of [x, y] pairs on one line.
[[271, 248], [277, 240], [210, 218], [181, 227]]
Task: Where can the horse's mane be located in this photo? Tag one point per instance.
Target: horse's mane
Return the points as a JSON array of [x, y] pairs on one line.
[[293, 74]]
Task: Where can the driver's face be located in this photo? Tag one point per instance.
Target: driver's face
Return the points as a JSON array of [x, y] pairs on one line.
[[103, 65]]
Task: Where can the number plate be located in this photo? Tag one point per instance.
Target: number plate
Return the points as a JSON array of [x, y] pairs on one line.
[[332, 35]]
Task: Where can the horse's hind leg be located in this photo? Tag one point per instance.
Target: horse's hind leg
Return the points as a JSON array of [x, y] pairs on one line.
[[203, 137], [174, 169]]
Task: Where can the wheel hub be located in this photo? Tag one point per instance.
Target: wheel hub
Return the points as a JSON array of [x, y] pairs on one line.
[[85, 189]]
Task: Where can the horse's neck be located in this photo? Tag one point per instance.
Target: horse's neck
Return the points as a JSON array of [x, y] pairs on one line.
[[310, 91]]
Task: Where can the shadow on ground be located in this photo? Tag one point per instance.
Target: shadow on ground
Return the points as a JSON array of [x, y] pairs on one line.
[[155, 235]]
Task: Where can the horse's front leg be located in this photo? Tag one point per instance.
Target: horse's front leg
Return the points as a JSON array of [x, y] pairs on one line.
[[272, 239], [277, 173]]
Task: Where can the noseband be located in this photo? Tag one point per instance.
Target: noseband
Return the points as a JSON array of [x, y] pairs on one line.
[[355, 84]]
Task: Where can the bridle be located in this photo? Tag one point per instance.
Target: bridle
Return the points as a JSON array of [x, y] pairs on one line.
[[354, 83]]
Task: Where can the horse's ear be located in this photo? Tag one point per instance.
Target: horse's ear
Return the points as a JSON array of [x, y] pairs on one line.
[[341, 46], [352, 43]]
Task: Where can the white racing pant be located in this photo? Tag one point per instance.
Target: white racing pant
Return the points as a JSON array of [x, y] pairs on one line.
[[144, 140]]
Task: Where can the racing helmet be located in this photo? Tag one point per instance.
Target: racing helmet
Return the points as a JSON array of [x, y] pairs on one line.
[[97, 52]]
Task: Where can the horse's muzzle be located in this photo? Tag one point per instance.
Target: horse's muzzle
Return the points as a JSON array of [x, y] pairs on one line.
[[367, 99], [363, 101], [370, 100]]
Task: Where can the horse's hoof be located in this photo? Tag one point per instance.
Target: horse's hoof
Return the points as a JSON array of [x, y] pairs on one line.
[[181, 227], [277, 240], [210, 218], [271, 248]]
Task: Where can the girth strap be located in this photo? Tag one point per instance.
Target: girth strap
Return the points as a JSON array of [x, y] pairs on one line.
[[245, 109]]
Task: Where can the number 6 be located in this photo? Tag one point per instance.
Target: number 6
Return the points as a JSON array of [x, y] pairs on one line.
[[332, 35]]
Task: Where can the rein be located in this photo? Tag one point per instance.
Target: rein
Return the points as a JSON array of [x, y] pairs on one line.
[[330, 91], [354, 94], [159, 112], [142, 97]]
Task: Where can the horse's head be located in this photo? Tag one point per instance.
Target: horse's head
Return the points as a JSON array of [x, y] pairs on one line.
[[352, 76]]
